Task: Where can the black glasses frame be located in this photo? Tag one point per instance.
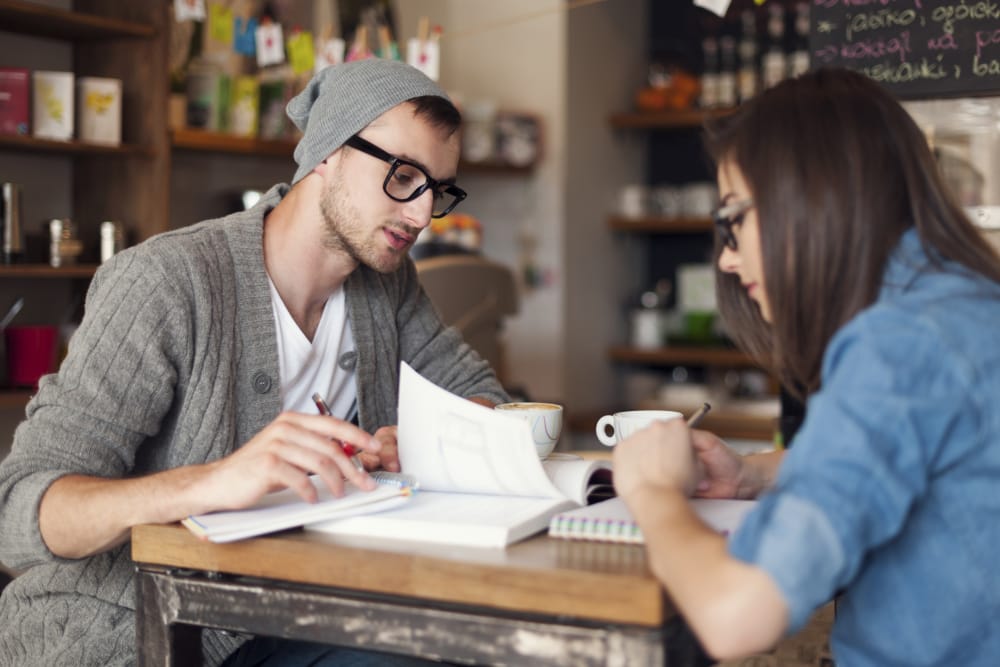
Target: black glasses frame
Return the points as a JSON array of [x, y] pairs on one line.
[[436, 186], [728, 216]]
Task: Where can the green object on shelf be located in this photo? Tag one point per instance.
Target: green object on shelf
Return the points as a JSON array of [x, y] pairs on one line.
[[698, 326]]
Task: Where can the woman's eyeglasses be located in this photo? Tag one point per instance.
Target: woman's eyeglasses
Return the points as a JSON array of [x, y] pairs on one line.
[[728, 216], [407, 181]]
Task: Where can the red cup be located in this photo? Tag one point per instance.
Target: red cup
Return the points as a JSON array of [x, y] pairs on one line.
[[31, 353]]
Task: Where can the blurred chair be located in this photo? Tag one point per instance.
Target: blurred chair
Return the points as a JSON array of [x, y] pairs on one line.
[[474, 295]]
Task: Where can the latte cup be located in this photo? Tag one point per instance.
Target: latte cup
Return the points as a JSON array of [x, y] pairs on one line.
[[612, 429], [544, 419]]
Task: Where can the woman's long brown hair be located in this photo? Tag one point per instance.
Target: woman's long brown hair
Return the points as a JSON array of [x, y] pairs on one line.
[[838, 171]]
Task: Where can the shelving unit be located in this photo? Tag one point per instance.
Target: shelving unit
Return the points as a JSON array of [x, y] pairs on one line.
[[46, 271], [681, 356], [218, 142], [128, 182], [660, 225], [728, 418], [666, 120]]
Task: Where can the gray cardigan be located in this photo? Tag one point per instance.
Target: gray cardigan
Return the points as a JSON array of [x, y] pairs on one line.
[[175, 363]]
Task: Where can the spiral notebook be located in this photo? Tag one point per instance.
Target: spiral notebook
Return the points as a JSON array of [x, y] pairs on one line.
[[610, 520]]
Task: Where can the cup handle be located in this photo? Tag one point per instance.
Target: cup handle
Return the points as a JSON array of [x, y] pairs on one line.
[[602, 431]]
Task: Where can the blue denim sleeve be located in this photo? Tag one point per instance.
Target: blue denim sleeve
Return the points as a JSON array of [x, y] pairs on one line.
[[893, 392]]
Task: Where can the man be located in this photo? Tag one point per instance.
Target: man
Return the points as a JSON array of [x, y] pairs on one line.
[[187, 386]]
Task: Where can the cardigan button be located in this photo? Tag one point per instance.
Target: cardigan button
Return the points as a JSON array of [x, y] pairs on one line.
[[261, 382], [348, 361]]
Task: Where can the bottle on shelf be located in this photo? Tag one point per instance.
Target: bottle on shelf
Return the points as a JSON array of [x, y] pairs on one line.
[[798, 61], [727, 71], [747, 78], [774, 63], [710, 74]]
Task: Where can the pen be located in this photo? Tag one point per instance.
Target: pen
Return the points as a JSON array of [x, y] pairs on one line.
[[349, 449], [698, 414]]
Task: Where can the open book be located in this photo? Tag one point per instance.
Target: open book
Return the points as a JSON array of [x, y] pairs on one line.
[[610, 520], [481, 481], [285, 509]]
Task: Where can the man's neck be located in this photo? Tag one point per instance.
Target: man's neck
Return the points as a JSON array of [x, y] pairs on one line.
[[304, 271]]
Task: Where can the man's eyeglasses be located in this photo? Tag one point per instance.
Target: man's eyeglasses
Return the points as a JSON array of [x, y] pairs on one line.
[[407, 181], [728, 216]]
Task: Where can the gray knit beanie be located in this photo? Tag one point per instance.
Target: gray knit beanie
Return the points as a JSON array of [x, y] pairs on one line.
[[342, 100]]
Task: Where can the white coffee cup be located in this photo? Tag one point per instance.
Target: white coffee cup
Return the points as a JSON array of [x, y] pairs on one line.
[[624, 424], [545, 420]]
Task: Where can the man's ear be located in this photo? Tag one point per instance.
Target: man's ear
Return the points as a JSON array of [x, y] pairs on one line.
[[328, 163]]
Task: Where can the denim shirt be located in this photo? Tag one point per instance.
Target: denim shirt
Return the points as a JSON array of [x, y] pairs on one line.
[[891, 494]]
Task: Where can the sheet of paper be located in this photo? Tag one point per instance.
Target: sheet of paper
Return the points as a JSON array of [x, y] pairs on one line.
[[451, 444], [470, 520], [720, 7]]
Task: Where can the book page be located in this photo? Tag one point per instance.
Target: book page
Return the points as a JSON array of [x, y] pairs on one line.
[[575, 477], [472, 520], [451, 444]]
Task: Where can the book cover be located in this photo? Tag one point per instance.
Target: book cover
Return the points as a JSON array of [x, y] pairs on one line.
[[481, 481], [611, 521], [14, 96]]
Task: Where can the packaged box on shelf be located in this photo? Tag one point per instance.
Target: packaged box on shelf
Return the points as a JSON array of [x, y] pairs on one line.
[[273, 98], [245, 106], [53, 105], [14, 91], [100, 110], [207, 98]]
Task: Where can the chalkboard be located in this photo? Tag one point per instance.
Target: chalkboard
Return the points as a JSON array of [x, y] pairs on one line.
[[916, 48]]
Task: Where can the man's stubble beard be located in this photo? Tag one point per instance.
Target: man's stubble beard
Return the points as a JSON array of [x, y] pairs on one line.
[[345, 232]]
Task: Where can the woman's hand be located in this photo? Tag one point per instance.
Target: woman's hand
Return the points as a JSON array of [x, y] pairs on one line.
[[721, 469], [659, 455]]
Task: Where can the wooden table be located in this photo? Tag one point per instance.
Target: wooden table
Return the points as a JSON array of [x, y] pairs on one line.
[[540, 602]]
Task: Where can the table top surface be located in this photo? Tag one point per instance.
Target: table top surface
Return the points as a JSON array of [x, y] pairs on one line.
[[540, 575]]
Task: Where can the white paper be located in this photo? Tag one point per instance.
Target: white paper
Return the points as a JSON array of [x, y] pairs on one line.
[[720, 7], [425, 56], [451, 444], [329, 53], [189, 10], [270, 45]]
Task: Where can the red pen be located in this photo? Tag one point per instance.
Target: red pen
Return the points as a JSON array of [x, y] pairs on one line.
[[324, 409]]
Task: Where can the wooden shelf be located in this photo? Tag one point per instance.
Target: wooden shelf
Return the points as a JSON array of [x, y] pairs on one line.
[[35, 19], [219, 142], [493, 168], [675, 355], [721, 420], [14, 399], [659, 225], [651, 120], [46, 271], [37, 145]]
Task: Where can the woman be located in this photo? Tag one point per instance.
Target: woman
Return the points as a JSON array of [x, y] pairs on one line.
[[848, 269]]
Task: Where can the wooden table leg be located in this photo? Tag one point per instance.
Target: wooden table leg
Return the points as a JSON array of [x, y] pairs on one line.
[[160, 641]]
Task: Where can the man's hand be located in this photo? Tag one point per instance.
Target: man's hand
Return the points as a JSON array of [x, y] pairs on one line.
[[387, 458], [283, 455]]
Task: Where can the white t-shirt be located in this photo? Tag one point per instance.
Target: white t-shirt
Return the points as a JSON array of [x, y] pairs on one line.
[[325, 365]]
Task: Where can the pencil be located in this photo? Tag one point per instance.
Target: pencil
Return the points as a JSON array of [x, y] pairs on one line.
[[698, 414]]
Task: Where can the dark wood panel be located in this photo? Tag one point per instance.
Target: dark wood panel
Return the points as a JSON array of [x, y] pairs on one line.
[[676, 355], [658, 225], [35, 19]]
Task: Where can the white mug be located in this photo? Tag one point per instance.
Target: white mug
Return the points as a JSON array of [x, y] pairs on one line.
[[624, 424], [545, 420]]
